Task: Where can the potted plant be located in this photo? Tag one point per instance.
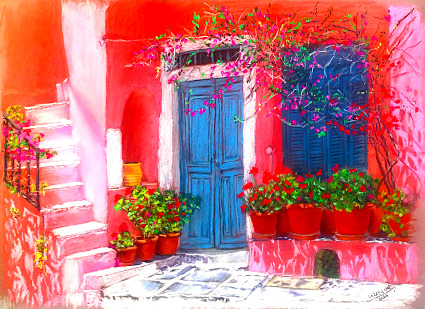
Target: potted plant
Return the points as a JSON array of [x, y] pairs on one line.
[[261, 204], [396, 219], [282, 193], [123, 243], [327, 226], [141, 212], [353, 194], [173, 211], [305, 205]]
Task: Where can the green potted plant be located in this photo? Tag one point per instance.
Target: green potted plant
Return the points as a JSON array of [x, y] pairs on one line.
[[353, 195], [396, 218], [141, 212], [173, 211], [305, 203], [261, 204], [123, 243]]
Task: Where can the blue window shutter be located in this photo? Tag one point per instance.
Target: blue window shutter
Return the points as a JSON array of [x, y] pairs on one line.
[[294, 143]]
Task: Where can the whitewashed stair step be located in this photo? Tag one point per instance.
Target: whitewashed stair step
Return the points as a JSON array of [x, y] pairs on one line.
[[77, 265], [64, 153], [62, 193], [54, 132], [81, 237], [48, 113], [71, 213], [54, 173]]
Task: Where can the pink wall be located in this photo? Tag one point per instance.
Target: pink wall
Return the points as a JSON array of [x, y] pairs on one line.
[[383, 262], [409, 79], [83, 28]]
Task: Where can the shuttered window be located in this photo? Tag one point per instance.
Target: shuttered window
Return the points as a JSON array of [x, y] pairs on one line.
[[304, 151]]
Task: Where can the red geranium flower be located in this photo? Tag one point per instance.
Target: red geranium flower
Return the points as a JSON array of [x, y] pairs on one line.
[[303, 186], [335, 168], [114, 235], [183, 214], [300, 178], [319, 172], [151, 191], [325, 195], [267, 177], [362, 188], [361, 174], [143, 226], [117, 198], [240, 195], [254, 171], [243, 207], [247, 186], [123, 227], [127, 191], [161, 214]]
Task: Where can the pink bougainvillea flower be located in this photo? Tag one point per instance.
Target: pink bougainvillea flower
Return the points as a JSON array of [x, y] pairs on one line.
[[371, 196], [148, 214], [201, 111], [188, 111], [335, 168]]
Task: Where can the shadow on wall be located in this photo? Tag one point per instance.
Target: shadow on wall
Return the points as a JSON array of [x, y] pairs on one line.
[[139, 130]]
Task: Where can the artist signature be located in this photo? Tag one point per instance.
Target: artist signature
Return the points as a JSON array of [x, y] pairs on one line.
[[380, 295]]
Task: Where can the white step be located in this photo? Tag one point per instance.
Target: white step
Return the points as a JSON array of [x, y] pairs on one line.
[[64, 153], [72, 213], [55, 172], [57, 132], [62, 193], [47, 113], [81, 237]]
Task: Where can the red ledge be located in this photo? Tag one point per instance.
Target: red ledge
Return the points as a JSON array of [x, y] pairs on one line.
[[381, 261]]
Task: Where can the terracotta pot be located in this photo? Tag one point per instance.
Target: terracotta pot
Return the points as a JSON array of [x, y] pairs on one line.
[[264, 224], [146, 248], [132, 174], [126, 256], [282, 227], [375, 220], [304, 221], [395, 227], [352, 225], [167, 243], [327, 226]]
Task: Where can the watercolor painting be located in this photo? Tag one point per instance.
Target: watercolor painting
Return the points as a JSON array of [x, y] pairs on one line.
[[222, 154]]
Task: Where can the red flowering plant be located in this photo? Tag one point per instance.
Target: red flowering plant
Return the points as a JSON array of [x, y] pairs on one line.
[[122, 240], [296, 189], [173, 210], [138, 204], [396, 217], [351, 188], [260, 198]]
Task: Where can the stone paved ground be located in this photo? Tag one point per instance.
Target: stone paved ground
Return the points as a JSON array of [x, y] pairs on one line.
[[200, 285]]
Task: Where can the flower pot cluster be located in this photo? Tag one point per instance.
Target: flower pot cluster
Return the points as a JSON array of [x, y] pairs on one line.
[[159, 216], [346, 205]]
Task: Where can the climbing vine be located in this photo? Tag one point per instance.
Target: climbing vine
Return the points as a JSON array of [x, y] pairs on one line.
[[297, 62]]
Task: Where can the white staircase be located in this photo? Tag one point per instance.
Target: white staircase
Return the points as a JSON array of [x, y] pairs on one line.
[[68, 216]]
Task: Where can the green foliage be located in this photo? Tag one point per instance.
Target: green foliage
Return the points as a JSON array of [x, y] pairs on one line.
[[395, 220], [123, 240], [351, 188]]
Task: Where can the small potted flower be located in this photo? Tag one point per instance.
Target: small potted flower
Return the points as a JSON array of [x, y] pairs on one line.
[[261, 204], [173, 211], [305, 205], [353, 195], [141, 212], [396, 219], [123, 243]]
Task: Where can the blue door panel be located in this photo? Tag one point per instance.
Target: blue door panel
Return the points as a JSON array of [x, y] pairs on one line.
[[211, 164]]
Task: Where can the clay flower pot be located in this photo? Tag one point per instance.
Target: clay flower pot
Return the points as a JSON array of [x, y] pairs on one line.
[[126, 256], [352, 225], [376, 214], [146, 248], [132, 174], [327, 226], [282, 227], [167, 243], [264, 224], [304, 221]]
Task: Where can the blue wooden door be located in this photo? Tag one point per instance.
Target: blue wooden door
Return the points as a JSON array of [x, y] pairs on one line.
[[211, 164]]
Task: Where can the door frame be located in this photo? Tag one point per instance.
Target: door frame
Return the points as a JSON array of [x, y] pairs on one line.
[[169, 148]]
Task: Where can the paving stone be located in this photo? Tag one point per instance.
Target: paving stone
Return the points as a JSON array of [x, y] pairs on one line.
[[207, 276], [144, 288], [231, 292], [189, 289], [172, 273], [243, 281]]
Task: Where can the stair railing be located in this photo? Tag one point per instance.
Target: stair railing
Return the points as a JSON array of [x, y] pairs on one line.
[[15, 176]]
